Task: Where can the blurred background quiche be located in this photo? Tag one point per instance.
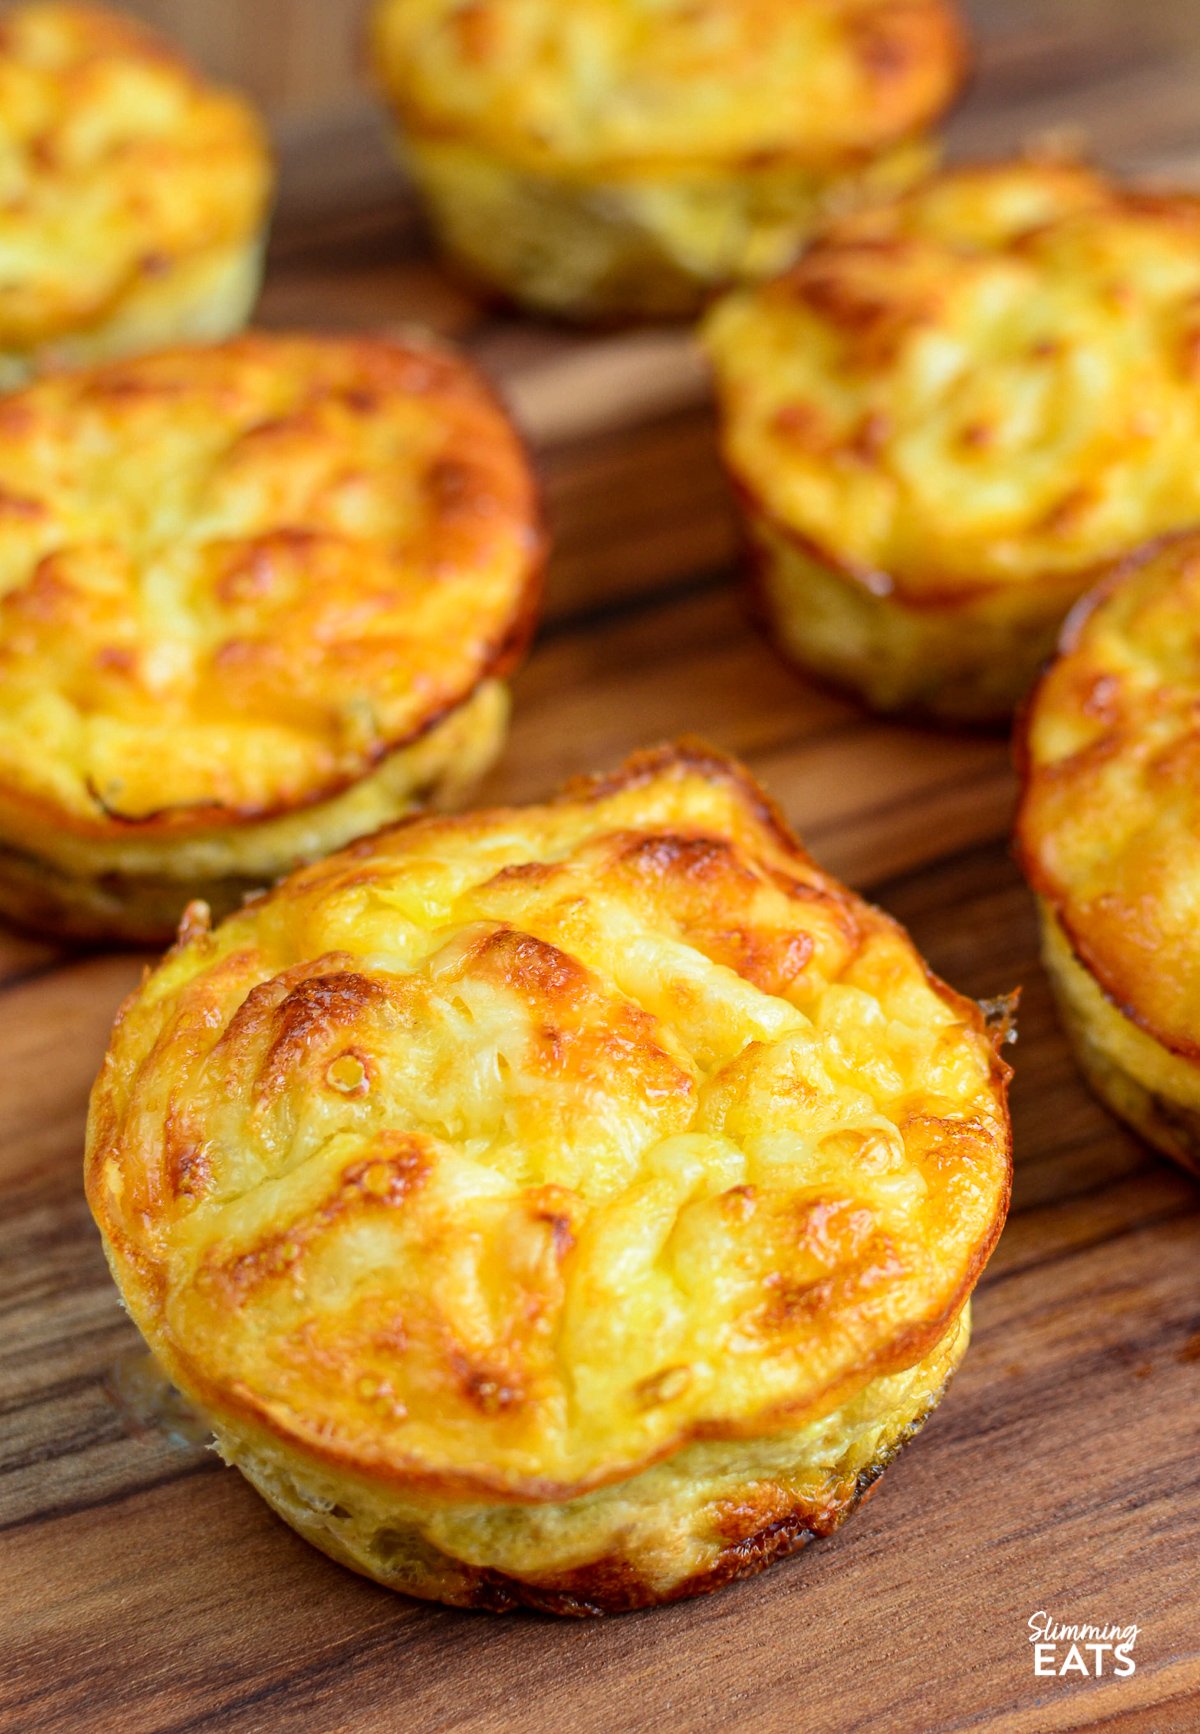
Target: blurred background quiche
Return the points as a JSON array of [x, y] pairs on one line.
[[610, 158], [255, 599], [1109, 834], [134, 197], [574, 1205], [952, 416]]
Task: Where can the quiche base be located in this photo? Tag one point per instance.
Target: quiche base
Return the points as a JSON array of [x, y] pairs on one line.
[[201, 299], [1154, 1091], [967, 661], [136, 893], [651, 244], [714, 1513]]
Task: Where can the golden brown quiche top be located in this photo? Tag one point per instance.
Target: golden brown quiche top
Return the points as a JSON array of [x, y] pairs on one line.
[[620, 84], [1110, 817], [116, 161], [233, 578], [503, 1154], [990, 381]]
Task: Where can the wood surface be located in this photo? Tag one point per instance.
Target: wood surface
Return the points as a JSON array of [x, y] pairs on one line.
[[144, 1587]]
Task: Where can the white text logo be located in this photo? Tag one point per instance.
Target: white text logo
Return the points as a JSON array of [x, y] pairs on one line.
[[1087, 1650]]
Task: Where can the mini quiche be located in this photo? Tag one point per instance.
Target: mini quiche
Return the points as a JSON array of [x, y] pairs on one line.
[[133, 196], [1109, 834], [953, 415], [574, 1206], [609, 158], [255, 600]]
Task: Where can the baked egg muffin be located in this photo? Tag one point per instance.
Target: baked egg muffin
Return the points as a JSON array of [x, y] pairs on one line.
[[1109, 835], [574, 1206], [133, 196], [615, 158], [255, 600], [953, 415]]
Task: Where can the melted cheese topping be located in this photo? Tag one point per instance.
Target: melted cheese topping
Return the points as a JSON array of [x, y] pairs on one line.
[[1110, 819], [507, 1153], [116, 165], [624, 83], [990, 381], [232, 579]]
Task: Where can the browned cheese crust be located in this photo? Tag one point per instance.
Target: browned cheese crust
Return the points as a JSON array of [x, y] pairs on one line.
[[618, 158], [499, 1165], [624, 86], [953, 414], [133, 195], [254, 600]]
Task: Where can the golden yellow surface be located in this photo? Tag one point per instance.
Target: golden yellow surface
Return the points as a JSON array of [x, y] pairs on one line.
[[235, 581], [618, 86], [986, 386], [125, 183], [502, 1156], [1110, 815]]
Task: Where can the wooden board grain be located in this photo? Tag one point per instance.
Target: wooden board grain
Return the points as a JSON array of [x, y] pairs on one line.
[[146, 1588]]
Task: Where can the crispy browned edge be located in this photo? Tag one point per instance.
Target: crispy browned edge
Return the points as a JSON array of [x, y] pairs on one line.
[[612, 1584], [1025, 846], [906, 1347], [500, 658], [960, 70], [753, 566], [881, 586]]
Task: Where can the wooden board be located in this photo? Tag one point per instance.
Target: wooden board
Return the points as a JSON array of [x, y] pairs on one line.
[[146, 1588]]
